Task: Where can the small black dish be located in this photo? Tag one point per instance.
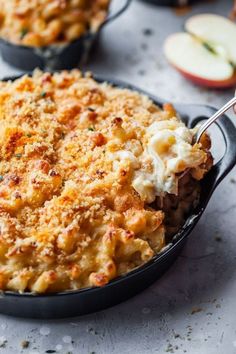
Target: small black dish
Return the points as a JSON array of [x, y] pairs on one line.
[[54, 57], [84, 301]]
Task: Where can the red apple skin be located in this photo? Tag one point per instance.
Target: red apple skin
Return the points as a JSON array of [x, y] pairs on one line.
[[224, 84]]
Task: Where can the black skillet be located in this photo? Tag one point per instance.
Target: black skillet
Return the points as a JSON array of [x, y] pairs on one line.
[[54, 57], [80, 302], [170, 2]]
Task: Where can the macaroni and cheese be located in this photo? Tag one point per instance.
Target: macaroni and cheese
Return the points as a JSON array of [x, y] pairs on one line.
[[89, 180], [39, 23]]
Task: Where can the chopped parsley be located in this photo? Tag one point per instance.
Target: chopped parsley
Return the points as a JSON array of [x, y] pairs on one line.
[[23, 32], [1, 178], [91, 129], [43, 94], [18, 155]]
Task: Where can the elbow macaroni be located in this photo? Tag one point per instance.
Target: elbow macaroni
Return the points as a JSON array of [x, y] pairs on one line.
[[87, 174]]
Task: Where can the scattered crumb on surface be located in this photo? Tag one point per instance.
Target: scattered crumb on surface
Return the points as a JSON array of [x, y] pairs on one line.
[[232, 180], [25, 344], [196, 310]]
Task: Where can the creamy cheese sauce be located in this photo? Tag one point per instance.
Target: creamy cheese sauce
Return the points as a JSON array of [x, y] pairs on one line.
[[167, 152]]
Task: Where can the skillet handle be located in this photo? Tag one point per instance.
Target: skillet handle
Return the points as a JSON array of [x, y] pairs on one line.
[[228, 161], [116, 14]]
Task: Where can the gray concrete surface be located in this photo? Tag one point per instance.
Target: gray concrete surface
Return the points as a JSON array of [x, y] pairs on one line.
[[192, 308]]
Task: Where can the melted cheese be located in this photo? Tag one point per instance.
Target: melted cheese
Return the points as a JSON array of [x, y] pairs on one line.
[[170, 151]]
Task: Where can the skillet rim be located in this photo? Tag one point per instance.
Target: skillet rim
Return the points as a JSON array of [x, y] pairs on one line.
[[190, 222]]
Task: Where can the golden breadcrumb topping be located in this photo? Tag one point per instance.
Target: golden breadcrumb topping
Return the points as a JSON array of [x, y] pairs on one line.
[[79, 167], [40, 23]]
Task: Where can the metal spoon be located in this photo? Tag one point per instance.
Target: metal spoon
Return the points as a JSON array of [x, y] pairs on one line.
[[213, 118], [208, 122]]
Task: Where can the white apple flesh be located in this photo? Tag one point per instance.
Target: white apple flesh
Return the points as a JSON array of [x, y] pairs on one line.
[[216, 30], [192, 59]]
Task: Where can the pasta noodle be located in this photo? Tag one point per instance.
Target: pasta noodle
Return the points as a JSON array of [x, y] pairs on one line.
[[88, 191]]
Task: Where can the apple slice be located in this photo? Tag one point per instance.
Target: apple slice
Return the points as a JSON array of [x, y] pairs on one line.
[[197, 63], [217, 31]]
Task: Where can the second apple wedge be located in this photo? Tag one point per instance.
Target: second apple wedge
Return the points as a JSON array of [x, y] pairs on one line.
[[197, 62]]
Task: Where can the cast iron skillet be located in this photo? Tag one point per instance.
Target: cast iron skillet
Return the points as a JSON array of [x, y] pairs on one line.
[[54, 57], [80, 302], [170, 2]]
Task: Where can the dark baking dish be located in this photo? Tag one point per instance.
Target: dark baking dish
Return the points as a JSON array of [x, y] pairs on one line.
[[54, 57], [84, 301]]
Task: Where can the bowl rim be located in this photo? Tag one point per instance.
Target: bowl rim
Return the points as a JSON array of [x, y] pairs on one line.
[[183, 232]]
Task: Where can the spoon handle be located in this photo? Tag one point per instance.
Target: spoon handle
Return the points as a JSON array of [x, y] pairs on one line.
[[213, 118]]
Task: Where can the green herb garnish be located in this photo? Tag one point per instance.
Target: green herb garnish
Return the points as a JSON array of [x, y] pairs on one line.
[[1, 178], [43, 94], [91, 129], [18, 155], [23, 32]]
